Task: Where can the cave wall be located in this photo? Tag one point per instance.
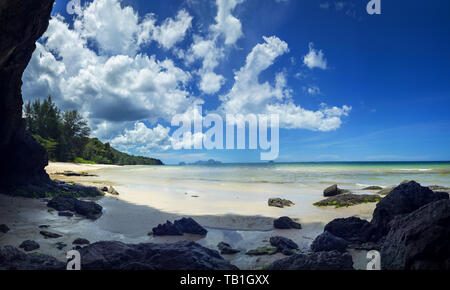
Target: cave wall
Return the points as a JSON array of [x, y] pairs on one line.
[[22, 23]]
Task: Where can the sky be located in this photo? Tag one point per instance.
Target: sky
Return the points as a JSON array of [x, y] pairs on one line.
[[348, 86]]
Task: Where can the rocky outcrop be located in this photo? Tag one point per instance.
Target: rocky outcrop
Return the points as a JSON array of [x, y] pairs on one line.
[[315, 261], [285, 223], [278, 202], [419, 240], [328, 242], [346, 200], [29, 246], [22, 22], [89, 209], [14, 259], [334, 190], [352, 229], [226, 249], [180, 227], [284, 245], [178, 256], [81, 241], [404, 199]]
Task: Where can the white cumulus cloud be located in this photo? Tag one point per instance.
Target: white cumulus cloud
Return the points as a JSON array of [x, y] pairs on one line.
[[315, 58]]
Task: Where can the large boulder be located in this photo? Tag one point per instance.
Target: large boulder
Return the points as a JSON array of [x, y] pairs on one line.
[[190, 226], [167, 229], [315, 261], [226, 249], [178, 256], [285, 223], [14, 259], [333, 191], [22, 23], [419, 240], [403, 199], [352, 229], [328, 242], [89, 209]]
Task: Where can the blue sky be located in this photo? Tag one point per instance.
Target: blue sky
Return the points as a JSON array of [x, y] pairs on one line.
[[392, 70]]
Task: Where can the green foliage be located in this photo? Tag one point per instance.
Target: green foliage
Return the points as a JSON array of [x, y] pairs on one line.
[[65, 136]]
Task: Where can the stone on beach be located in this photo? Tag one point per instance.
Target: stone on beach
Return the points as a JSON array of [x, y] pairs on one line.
[[328, 242], [14, 259], [177, 256], [278, 202], [284, 245], [334, 190], [333, 260], [349, 199], [167, 229], [262, 251], [352, 229], [180, 227], [29, 246], [286, 223], [81, 241], [89, 209], [226, 249], [50, 235], [373, 187]]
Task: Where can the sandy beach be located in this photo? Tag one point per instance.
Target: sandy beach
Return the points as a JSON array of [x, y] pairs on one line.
[[244, 221]]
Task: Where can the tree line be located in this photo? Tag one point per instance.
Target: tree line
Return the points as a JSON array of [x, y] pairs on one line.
[[65, 136]]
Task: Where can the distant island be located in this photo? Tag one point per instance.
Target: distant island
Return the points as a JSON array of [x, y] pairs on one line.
[[202, 162], [65, 137]]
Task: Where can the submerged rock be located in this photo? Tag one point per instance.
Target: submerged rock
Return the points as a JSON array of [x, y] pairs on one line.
[[29, 246], [281, 203], [89, 209], [4, 229], [404, 199], [178, 256], [346, 200], [315, 261], [419, 240], [286, 223], [262, 251], [167, 229], [226, 249], [14, 259], [50, 235], [328, 242], [284, 245]]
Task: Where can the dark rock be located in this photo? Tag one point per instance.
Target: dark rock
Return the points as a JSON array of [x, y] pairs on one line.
[[65, 213], [315, 261], [419, 240], [104, 189], [81, 241], [167, 229], [349, 199], [50, 235], [14, 259], [22, 23], [111, 190], [177, 256], [76, 174], [326, 242], [262, 251], [89, 209], [286, 223], [373, 187], [29, 246], [226, 249], [334, 190], [4, 229], [352, 229], [284, 245], [44, 226], [60, 245], [190, 226], [281, 203], [404, 199]]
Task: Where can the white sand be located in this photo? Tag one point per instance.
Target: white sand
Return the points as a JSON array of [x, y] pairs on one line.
[[128, 218]]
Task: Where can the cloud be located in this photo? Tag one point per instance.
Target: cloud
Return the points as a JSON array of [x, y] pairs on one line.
[[248, 95], [313, 90], [116, 84], [172, 31], [315, 58], [143, 139], [226, 23]]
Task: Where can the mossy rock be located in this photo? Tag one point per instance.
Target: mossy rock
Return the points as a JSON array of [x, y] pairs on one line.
[[262, 251], [346, 200]]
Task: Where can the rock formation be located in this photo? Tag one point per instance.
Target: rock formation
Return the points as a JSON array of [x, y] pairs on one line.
[[22, 159]]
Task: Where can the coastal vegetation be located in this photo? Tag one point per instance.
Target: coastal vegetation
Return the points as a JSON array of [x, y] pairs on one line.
[[65, 137]]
